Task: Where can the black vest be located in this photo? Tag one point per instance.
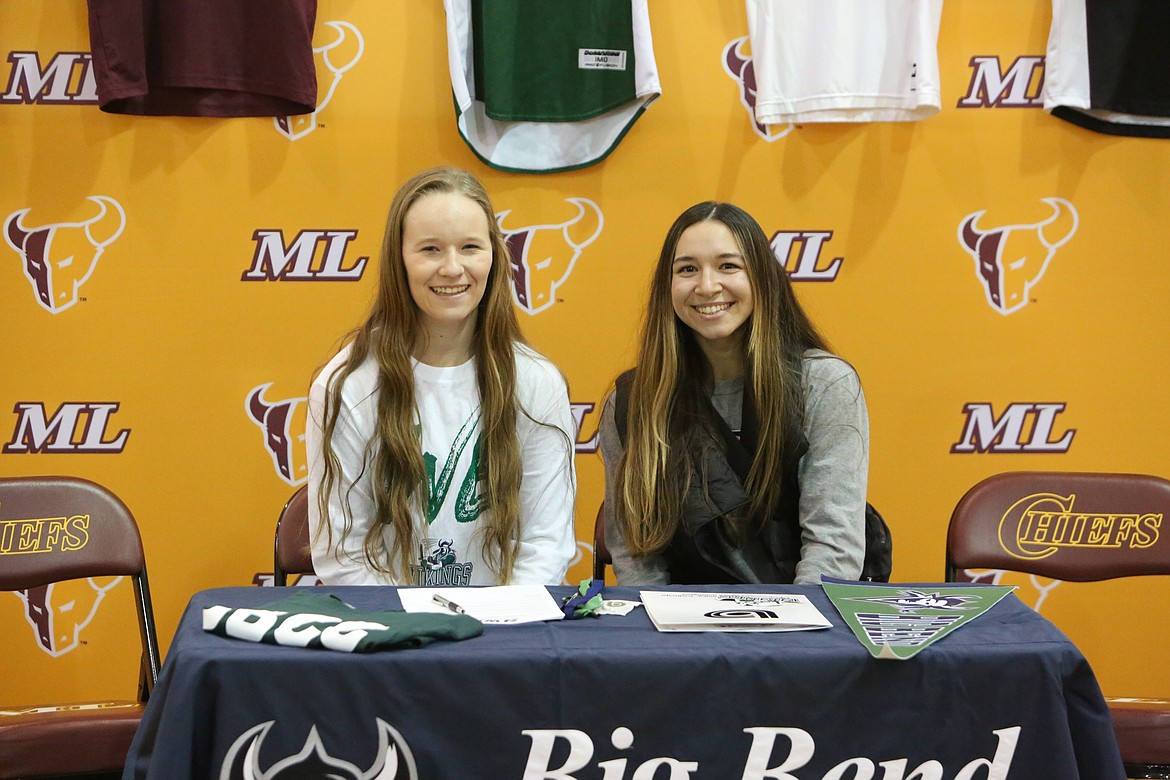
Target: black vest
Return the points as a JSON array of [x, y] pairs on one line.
[[695, 555]]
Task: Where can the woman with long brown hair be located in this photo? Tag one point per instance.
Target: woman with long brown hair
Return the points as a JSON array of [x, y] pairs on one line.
[[440, 444], [738, 449]]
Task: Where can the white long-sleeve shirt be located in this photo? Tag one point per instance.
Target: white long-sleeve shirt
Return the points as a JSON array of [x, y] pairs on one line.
[[447, 402]]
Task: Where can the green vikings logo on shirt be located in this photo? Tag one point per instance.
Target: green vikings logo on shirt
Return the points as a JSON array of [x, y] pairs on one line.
[[438, 560]]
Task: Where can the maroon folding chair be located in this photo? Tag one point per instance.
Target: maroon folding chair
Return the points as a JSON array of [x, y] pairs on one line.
[[101, 540], [1044, 523]]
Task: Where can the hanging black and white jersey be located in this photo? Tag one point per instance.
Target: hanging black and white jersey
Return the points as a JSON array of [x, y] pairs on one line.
[[1107, 67]]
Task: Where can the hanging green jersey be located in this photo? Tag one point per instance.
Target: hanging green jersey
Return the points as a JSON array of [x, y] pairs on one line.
[[561, 62], [549, 86]]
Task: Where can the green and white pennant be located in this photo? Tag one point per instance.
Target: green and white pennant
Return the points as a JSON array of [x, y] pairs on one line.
[[897, 621]]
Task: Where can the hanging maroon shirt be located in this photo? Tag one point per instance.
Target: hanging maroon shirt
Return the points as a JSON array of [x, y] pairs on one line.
[[204, 57]]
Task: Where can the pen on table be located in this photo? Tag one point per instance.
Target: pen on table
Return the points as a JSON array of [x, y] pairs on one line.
[[451, 605]]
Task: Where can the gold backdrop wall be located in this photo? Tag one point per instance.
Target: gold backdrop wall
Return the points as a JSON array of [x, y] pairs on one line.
[[227, 256]]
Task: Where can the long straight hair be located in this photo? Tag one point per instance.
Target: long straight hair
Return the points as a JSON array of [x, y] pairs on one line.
[[391, 333], [669, 422]]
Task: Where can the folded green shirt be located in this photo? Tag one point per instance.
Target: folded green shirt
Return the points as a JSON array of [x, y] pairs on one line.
[[322, 620]]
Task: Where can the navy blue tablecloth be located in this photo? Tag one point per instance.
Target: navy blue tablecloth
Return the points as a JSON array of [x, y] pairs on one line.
[[613, 698]]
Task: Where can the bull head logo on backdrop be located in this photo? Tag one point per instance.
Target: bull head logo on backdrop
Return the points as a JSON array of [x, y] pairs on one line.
[[283, 423], [543, 255], [60, 257], [348, 45], [60, 611], [1010, 260], [739, 66]]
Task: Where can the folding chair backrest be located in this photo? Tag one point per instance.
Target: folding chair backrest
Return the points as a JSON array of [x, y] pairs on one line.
[[1071, 526], [601, 556], [291, 547], [72, 528]]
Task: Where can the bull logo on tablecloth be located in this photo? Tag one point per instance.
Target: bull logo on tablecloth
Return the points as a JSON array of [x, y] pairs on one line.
[[60, 257], [334, 58], [283, 423], [543, 256], [393, 760], [1010, 260], [740, 67]]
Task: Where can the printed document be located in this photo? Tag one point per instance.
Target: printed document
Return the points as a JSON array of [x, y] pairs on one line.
[[689, 611]]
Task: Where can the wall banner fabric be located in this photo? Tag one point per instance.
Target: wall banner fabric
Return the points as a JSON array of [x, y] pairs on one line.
[[169, 285]]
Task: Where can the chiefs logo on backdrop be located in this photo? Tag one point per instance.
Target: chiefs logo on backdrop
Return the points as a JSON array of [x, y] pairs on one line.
[[1010, 260], [333, 58], [59, 612], [393, 761], [543, 255], [59, 257], [283, 423], [739, 66]]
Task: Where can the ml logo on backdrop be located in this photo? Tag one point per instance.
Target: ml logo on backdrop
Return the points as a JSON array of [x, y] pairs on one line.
[[801, 253], [333, 60], [991, 86], [1022, 428], [75, 428], [311, 256], [59, 257], [580, 410], [1010, 260], [543, 256], [67, 79], [741, 69]]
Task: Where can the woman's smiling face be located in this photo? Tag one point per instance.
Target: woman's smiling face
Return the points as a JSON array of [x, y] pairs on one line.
[[710, 288], [447, 251]]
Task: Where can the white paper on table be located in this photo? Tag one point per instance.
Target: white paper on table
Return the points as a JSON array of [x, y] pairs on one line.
[[494, 605], [701, 611]]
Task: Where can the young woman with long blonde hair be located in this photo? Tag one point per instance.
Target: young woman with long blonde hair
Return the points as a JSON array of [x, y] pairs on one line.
[[737, 450], [440, 444]]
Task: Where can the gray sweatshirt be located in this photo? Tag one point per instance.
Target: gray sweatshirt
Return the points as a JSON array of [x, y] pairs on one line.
[[832, 474]]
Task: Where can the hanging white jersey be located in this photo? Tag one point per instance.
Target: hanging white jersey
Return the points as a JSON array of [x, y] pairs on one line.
[[845, 60], [545, 87], [1106, 67]]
